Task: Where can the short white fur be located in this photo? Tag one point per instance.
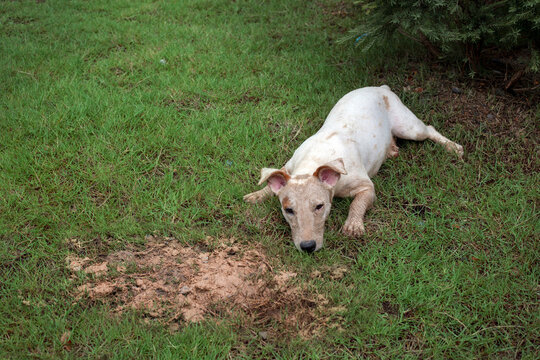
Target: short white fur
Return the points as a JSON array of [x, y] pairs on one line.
[[356, 138]]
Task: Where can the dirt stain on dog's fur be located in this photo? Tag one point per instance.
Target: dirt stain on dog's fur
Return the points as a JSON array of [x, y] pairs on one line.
[[386, 103]]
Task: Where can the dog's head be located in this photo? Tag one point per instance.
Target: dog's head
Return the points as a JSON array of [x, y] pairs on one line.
[[305, 200]]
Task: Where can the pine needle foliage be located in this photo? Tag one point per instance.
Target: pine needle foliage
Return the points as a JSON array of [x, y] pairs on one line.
[[454, 29]]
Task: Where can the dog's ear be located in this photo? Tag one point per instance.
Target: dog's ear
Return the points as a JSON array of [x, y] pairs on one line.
[[330, 172], [276, 178]]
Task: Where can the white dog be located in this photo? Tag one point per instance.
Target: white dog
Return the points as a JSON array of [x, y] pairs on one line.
[[356, 138]]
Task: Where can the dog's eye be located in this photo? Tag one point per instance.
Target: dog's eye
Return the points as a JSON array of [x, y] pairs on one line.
[[318, 207], [289, 211]]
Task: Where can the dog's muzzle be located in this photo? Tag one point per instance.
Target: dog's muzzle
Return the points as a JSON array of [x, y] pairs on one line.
[[308, 246]]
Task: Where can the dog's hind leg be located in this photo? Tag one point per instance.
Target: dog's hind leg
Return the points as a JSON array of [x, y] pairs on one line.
[[405, 125], [392, 150]]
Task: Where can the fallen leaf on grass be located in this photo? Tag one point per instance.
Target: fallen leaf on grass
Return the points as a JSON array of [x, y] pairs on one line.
[[339, 272], [65, 337], [65, 340], [76, 263], [74, 243]]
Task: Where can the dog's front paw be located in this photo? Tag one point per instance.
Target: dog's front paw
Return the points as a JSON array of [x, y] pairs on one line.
[[354, 228], [256, 197], [252, 198]]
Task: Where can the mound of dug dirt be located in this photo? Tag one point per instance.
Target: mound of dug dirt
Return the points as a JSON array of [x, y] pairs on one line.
[[172, 281]]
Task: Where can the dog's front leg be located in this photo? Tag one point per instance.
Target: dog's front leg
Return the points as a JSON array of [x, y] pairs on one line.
[[259, 196], [354, 226]]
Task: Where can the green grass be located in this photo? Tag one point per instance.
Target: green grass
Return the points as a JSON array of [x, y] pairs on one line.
[[102, 141]]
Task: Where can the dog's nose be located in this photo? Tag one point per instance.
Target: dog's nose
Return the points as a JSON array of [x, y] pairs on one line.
[[308, 246]]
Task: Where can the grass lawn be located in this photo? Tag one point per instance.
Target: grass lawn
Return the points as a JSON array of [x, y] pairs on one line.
[[120, 119]]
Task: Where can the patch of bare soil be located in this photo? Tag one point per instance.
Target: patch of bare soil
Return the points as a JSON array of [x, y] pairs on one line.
[[171, 282], [503, 126]]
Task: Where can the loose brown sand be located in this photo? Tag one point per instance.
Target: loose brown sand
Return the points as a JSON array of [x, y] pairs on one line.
[[172, 282]]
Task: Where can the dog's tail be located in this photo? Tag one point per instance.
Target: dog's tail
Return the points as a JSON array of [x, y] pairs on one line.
[[386, 87]]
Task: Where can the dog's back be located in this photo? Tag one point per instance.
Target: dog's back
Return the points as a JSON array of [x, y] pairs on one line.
[[357, 129]]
